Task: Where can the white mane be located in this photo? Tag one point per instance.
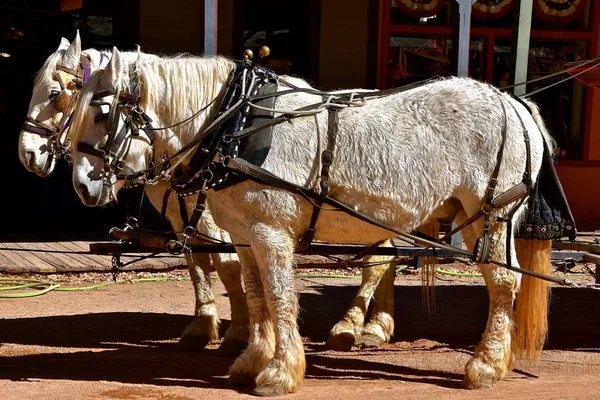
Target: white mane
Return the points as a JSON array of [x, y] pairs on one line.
[[171, 89]]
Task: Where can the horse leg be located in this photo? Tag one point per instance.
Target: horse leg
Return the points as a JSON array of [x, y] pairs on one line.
[[236, 336], [204, 328], [261, 340], [493, 356], [380, 327], [349, 329], [274, 252]]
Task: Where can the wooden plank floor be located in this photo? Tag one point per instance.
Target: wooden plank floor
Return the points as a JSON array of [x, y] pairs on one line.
[[52, 257], [74, 256]]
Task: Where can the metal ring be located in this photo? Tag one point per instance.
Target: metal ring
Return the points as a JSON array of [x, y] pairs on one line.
[[175, 247], [207, 175], [227, 138]]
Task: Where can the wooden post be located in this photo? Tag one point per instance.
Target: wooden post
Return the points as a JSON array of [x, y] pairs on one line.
[[464, 36], [462, 68], [456, 239], [210, 27], [520, 45]]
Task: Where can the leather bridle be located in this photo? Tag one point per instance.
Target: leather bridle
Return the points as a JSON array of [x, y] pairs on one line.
[[125, 106], [58, 135]]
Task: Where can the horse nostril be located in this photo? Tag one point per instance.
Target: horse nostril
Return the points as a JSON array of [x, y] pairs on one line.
[[30, 158]]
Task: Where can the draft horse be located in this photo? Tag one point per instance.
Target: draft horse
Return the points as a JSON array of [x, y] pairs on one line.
[[395, 161]]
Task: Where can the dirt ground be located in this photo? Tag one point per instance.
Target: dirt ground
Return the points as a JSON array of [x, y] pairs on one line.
[[120, 342]]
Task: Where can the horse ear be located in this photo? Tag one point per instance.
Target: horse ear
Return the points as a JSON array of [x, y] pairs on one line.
[[113, 69], [139, 52], [71, 57], [64, 44]]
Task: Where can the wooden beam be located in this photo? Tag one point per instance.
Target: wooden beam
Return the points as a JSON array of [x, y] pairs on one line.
[[210, 27], [520, 45], [464, 36]]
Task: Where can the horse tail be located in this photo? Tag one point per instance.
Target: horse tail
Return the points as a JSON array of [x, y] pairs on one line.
[[432, 229], [531, 316]]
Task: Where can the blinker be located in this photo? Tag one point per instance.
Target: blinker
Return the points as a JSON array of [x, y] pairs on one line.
[[61, 101]]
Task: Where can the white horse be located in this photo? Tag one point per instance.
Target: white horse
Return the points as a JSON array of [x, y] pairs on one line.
[[404, 160], [351, 329], [53, 90]]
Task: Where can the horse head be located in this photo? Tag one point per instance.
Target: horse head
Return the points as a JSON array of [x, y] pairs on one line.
[[107, 143], [43, 137]]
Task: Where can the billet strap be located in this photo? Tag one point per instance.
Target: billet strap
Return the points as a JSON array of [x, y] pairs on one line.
[[183, 211], [163, 211], [326, 161], [198, 209]]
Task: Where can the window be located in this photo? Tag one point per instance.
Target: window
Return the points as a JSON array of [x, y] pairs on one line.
[[562, 105], [415, 58]]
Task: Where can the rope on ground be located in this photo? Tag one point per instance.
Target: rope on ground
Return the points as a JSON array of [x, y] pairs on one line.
[[43, 287], [461, 274]]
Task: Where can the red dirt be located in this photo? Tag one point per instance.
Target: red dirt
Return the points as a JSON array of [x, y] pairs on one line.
[[119, 342]]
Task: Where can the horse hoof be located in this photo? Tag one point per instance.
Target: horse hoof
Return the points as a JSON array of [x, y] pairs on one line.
[[240, 380], [369, 341], [231, 348], [482, 383], [192, 343], [342, 341], [269, 391]]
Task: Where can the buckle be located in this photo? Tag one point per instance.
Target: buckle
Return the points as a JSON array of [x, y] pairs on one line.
[[189, 231], [487, 208], [327, 157]]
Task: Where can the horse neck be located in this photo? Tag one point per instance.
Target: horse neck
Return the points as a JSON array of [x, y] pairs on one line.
[[171, 100]]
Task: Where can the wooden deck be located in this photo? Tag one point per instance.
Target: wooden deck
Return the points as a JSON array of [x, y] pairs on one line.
[[75, 256], [67, 256]]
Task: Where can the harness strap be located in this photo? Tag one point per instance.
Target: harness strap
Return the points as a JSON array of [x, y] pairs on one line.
[[71, 71], [198, 209], [249, 171], [183, 211], [349, 94], [326, 161], [163, 210], [31, 125]]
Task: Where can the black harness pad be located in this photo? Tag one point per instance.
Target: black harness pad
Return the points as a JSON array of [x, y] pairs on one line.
[[255, 147], [548, 216]]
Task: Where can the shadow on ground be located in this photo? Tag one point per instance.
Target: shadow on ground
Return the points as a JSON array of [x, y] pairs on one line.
[[141, 347]]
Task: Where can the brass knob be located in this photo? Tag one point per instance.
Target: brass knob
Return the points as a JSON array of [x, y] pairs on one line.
[[264, 51], [248, 54]]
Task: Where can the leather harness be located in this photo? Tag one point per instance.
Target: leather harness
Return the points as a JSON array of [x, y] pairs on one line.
[[220, 159]]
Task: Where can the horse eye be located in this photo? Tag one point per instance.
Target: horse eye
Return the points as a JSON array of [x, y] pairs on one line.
[[53, 94]]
